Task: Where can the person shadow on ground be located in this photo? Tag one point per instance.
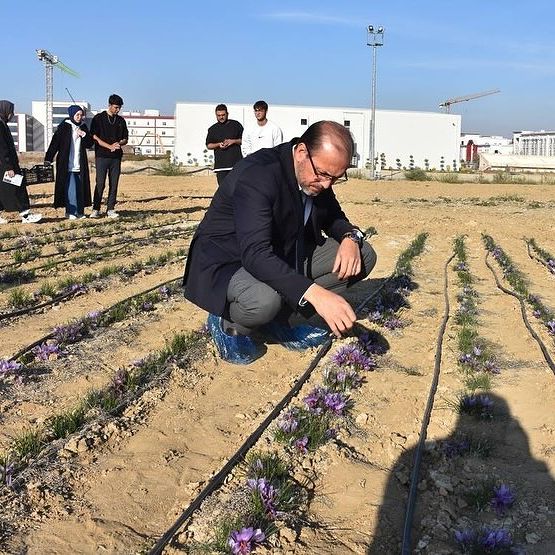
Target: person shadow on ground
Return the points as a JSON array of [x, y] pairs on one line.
[[459, 491]]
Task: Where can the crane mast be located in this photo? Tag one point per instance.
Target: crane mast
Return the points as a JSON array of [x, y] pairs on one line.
[[50, 60]]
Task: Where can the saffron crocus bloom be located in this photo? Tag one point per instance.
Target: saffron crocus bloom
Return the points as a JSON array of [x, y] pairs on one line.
[[502, 499], [267, 494], [288, 422], [336, 402], [242, 541], [465, 538], [301, 444], [353, 356], [47, 350], [314, 400], [492, 539], [551, 326], [8, 367]]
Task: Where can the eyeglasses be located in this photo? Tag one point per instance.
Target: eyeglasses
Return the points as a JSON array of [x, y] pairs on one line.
[[323, 176]]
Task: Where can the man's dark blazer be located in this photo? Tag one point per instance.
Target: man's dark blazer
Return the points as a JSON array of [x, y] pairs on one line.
[[254, 221]]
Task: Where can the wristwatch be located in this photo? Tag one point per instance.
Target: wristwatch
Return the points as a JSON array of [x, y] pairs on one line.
[[355, 235]]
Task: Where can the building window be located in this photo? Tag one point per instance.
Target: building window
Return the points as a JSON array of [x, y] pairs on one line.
[[304, 121], [163, 132], [347, 123]]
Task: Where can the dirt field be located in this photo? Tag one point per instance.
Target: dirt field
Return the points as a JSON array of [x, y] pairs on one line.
[[117, 484]]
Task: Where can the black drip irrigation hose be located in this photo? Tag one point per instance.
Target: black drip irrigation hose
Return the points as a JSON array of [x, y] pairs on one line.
[[38, 342], [240, 454], [411, 501], [537, 258], [29, 309], [541, 344], [158, 171]]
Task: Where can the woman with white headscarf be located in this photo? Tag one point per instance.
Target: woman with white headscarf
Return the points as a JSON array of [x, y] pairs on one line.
[[13, 198]]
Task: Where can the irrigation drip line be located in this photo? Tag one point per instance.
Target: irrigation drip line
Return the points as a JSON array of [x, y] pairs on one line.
[[411, 501], [240, 454], [158, 171], [38, 342], [29, 309], [541, 344], [537, 258], [91, 236]]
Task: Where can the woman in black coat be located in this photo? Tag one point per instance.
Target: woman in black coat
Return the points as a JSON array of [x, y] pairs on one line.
[[70, 142], [13, 198]]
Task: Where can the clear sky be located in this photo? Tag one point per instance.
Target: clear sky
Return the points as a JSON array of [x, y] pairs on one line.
[[308, 52]]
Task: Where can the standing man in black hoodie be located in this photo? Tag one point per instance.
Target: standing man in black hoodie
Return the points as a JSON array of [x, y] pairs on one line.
[[109, 131]]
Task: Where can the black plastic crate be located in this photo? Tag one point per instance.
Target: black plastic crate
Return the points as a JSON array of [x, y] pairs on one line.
[[38, 174]]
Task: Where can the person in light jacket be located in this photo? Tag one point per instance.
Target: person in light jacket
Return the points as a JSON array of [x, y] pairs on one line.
[[69, 145]]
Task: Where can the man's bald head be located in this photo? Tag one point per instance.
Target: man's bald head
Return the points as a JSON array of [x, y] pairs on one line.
[[324, 134]]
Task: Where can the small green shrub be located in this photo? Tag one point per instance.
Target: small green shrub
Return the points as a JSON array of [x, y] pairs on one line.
[[416, 174]]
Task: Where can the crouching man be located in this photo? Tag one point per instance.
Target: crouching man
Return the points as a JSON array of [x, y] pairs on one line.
[[259, 263]]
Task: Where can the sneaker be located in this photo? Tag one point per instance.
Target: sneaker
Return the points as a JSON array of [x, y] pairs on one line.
[[31, 218], [237, 349], [71, 217], [297, 338], [112, 214], [81, 216], [95, 214]]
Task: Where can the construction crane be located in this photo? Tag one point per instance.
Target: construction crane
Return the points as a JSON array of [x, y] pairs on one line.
[[50, 60], [446, 104]]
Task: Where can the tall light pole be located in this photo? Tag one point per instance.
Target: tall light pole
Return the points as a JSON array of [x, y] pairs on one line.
[[375, 39]]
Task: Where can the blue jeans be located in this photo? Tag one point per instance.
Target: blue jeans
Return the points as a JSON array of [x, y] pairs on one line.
[[74, 198]]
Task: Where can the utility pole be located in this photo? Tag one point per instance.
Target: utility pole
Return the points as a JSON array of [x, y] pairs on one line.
[[375, 39]]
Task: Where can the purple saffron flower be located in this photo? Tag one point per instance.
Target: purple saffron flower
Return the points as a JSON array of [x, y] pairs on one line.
[[551, 265], [267, 494], [502, 499], [92, 319], [336, 402], [369, 346], [164, 291], [491, 539], [465, 538], [73, 288], [301, 444], [551, 326], [47, 351], [70, 333], [119, 381], [242, 541], [314, 400], [147, 306], [288, 422], [8, 367], [352, 355]]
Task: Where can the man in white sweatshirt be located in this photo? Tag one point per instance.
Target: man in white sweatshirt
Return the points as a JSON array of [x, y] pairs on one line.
[[262, 134]]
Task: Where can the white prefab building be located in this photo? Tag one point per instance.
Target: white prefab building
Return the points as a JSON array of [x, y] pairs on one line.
[[402, 138]]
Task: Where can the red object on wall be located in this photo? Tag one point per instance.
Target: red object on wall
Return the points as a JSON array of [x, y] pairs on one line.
[[471, 151]]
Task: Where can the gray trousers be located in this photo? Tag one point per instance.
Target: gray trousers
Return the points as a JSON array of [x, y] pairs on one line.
[[253, 303]]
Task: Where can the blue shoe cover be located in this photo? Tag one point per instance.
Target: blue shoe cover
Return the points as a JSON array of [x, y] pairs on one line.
[[237, 349], [296, 338]]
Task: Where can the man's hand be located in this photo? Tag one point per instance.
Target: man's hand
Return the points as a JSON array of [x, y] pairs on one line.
[[10, 173], [348, 262], [334, 309]]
